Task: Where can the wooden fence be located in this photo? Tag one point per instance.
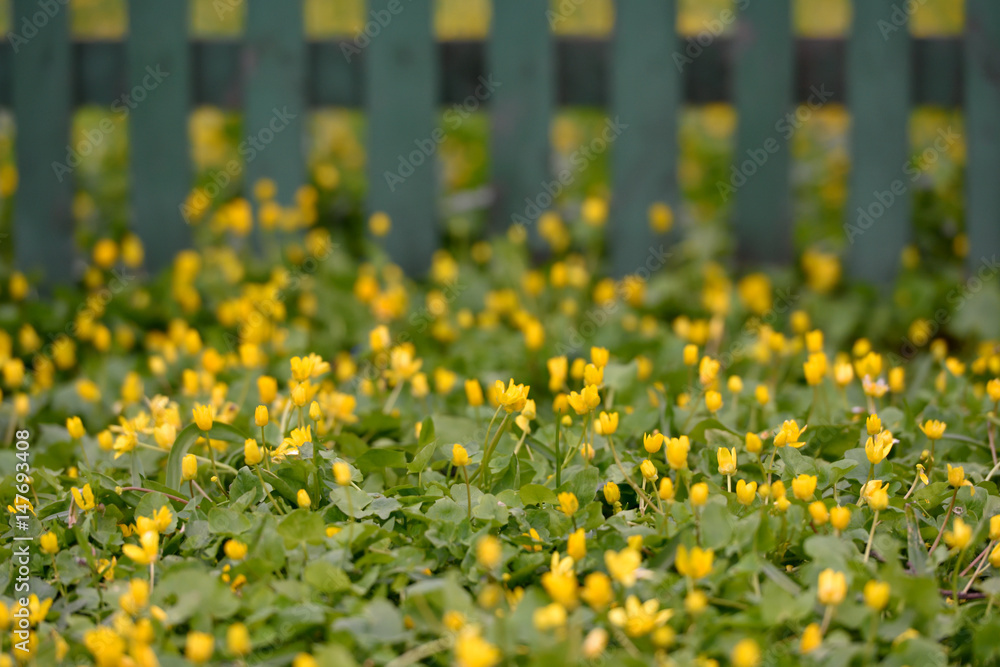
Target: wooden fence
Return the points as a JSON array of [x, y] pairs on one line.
[[401, 76]]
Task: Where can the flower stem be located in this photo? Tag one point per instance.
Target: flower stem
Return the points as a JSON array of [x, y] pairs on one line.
[[951, 506], [468, 491], [628, 479], [871, 537]]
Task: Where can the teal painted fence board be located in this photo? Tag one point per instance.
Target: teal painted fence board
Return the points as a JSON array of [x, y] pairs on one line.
[[275, 107], [519, 85], [642, 127], [758, 183], [403, 135], [43, 226], [982, 127], [877, 224], [157, 102]]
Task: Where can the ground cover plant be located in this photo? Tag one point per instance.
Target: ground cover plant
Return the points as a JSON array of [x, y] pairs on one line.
[[312, 461]]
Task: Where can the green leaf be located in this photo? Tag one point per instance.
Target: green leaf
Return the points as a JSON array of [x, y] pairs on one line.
[[426, 446], [536, 494], [187, 437], [302, 526], [378, 459], [326, 577]]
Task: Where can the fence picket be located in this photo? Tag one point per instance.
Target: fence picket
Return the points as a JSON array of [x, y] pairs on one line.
[[520, 85], [403, 136], [878, 92], [159, 72], [275, 105], [43, 224], [645, 98], [982, 128], [759, 180]]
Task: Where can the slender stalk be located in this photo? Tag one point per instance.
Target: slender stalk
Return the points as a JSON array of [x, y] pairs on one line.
[[871, 537], [268, 491], [558, 460], [951, 506], [468, 491], [628, 479]]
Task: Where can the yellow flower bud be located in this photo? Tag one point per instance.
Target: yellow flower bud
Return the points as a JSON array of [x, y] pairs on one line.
[[699, 494], [876, 594], [459, 456], [302, 499], [189, 467], [260, 416]]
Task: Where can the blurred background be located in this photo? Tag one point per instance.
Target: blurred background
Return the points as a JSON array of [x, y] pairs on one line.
[[336, 136]]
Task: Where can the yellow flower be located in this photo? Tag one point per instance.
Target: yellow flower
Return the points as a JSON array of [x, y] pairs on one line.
[[599, 356], [652, 442], [959, 536], [788, 435], [639, 618], [745, 493], [812, 637], [804, 486], [593, 374], [699, 494], [876, 494], [873, 424], [471, 650], [302, 498], [815, 369], [235, 549], [560, 581], [696, 563], [840, 517], [708, 369], [876, 594], [267, 387], [137, 597], [832, 587], [995, 527], [474, 392], [648, 470], [586, 400], [843, 373], [933, 429], [956, 477], [252, 454], [49, 543], [577, 545], [677, 452], [727, 460], [568, 503], [993, 389], [189, 467], [106, 645], [878, 446], [549, 617], [459, 456], [612, 493], [488, 552], [199, 646], [762, 394], [608, 422], [341, 473], [146, 553], [690, 354], [597, 591], [667, 491], [513, 398], [75, 427], [735, 384], [622, 565], [713, 401], [817, 510], [746, 653], [558, 368], [203, 416], [995, 556], [260, 416], [238, 639], [84, 497], [753, 443]]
